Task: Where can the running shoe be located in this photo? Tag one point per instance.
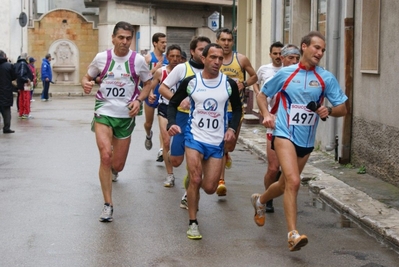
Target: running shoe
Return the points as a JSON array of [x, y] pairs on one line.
[[259, 217], [229, 161], [160, 155], [183, 202], [106, 214], [193, 232], [148, 142], [114, 176], [269, 206], [186, 181], [221, 190], [296, 241], [169, 181]]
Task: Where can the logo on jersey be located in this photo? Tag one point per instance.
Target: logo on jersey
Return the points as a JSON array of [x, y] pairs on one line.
[[314, 83], [110, 74], [210, 104], [125, 75]]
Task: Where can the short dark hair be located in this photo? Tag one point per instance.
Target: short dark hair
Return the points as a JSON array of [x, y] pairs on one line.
[[124, 26], [196, 39], [173, 47], [307, 39], [3, 54], [156, 36], [276, 44], [183, 54], [206, 49], [48, 56], [224, 30]]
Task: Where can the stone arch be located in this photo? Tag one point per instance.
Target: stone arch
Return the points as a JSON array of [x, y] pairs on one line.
[[71, 28]]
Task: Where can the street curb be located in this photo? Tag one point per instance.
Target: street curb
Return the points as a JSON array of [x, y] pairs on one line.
[[375, 217]]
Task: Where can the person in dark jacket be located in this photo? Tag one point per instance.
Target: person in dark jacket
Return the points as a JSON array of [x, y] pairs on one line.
[[24, 79], [7, 75], [47, 76]]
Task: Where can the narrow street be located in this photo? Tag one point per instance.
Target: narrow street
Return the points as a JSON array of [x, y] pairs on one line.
[[51, 201]]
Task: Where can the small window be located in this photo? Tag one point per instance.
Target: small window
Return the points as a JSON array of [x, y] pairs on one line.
[[370, 36]]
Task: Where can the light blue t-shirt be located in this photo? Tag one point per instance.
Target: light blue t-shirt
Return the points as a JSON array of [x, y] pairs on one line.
[[295, 87]]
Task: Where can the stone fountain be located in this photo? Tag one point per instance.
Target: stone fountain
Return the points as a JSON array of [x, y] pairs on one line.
[[64, 64]]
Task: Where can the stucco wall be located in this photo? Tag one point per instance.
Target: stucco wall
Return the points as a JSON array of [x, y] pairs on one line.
[[375, 125], [13, 41], [111, 12]]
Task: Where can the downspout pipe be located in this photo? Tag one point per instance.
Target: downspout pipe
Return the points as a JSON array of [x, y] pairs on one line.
[[346, 140], [150, 24], [274, 20], [333, 42]]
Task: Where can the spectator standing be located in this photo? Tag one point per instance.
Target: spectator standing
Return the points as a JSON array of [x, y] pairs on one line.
[[33, 70], [47, 77], [24, 79], [7, 75]]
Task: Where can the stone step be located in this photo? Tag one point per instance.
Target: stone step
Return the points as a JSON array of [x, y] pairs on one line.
[[250, 119]]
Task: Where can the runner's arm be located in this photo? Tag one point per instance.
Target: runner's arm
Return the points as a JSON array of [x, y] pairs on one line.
[[235, 105], [174, 102], [247, 66]]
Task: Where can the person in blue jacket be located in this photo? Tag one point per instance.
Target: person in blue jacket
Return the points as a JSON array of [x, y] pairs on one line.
[[47, 76]]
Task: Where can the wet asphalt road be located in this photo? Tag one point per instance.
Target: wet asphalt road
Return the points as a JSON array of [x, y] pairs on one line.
[[51, 200]]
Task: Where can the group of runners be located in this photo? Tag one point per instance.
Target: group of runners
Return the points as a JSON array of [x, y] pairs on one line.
[[199, 105]]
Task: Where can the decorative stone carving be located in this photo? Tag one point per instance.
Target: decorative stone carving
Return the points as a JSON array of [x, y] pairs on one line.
[[64, 63]]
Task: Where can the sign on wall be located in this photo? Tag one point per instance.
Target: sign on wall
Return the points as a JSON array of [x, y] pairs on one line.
[[213, 21]]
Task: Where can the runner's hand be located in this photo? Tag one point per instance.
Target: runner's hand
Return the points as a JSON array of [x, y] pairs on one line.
[[173, 130], [134, 108], [269, 121], [88, 86], [229, 136]]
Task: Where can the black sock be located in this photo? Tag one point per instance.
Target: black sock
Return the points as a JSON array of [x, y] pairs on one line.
[[193, 221]]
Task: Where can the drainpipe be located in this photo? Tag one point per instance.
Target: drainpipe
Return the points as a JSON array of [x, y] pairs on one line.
[[274, 20], [233, 26], [149, 21], [333, 42], [349, 62]]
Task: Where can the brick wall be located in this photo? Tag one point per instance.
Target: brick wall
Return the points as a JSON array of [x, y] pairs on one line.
[[63, 24]]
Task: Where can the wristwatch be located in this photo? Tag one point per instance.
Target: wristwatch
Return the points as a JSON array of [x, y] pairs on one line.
[[329, 110], [245, 84]]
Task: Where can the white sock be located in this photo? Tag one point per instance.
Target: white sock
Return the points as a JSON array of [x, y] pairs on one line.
[[294, 233]]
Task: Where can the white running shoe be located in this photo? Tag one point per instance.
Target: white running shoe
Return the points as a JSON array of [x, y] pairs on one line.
[[169, 181], [106, 214], [193, 232]]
